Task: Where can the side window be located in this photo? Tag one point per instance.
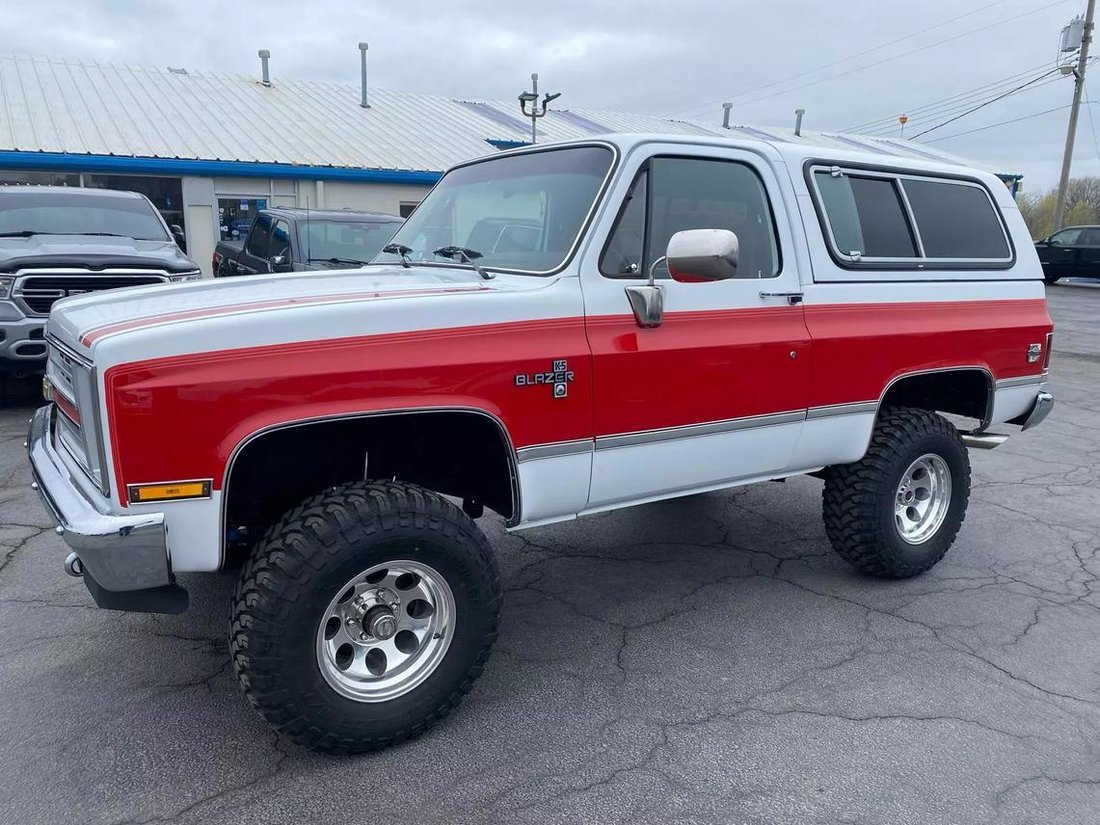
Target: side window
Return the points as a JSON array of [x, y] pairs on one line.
[[674, 194], [956, 220], [259, 239], [280, 241], [622, 257], [866, 216], [1067, 237], [1089, 237]]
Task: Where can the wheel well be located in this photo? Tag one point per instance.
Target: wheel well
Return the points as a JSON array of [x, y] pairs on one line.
[[966, 392], [458, 453]]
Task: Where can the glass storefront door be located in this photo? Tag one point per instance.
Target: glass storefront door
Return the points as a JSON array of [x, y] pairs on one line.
[[235, 216]]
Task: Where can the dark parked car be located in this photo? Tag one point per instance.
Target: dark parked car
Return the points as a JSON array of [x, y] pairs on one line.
[[298, 240], [1070, 252], [57, 241]]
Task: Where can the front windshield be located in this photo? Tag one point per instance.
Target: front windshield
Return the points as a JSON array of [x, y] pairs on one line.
[[520, 212], [329, 240], [64, 213]]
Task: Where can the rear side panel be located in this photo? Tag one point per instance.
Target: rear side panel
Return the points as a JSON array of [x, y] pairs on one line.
[[871, 325]]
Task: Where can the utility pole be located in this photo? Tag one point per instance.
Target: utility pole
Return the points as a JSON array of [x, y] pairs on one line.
[[1078, 88]]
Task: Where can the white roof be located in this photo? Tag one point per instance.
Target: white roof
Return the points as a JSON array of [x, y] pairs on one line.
[[61, 106]]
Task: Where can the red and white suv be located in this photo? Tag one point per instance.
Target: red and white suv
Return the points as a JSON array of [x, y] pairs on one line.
[[556, 331]]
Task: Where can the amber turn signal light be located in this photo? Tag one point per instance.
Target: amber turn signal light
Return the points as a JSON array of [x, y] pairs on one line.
[[174, 491]]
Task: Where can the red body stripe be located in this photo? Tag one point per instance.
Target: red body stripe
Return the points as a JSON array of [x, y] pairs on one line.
[[181, 417]]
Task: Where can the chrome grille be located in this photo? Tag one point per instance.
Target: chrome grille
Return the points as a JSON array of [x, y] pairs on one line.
[[36, 291], [72, 377], [59, 370]]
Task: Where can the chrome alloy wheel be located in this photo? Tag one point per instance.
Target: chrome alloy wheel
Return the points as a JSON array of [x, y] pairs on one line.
[[923, 499], [386, 631]]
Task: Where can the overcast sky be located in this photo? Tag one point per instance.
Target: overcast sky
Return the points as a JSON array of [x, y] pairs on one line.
[[673, 57]]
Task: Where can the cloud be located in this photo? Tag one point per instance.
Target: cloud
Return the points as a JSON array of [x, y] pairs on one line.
[[650, 56]]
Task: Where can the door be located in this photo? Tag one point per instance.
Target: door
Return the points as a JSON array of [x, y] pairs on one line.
[[1087, 262], [254, 256], [1058, 254], [717, 392]]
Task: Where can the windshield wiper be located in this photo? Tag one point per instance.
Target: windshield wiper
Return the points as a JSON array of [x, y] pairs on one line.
[[467, 256], [338, 261], [26, 233], [399, 249]]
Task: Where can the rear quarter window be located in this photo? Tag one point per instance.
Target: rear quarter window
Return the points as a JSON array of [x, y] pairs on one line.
[[874, 218], [956, 220]]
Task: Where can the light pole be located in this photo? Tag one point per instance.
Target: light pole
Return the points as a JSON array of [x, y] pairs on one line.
[[1078, 88], [532, 97]]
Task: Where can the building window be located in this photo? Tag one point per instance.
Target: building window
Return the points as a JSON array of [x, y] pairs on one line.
[[165, 193], [406, 208], [38, 179], [235, 216]]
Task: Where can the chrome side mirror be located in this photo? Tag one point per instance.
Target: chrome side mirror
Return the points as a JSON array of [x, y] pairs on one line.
[[696, 255]]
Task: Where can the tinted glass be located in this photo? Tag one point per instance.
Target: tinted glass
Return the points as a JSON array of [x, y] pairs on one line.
[[280, 241], [1067, 237], [9, 178], [165, 193], [691, 193], [866, 216], [622, 257], [72, 213], [259, 239], [341, 241], [521, 212], [1089, 237], [956, 220]]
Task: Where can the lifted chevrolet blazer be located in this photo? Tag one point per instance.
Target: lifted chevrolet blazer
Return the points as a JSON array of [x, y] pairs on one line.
[[556, 331]]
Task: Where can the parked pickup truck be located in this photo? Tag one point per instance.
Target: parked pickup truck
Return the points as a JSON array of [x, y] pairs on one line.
[[57, 241], [299, 240], [691, 314]]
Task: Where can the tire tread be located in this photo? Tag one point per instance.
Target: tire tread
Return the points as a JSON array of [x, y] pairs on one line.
[[305, 538], [851, 491]]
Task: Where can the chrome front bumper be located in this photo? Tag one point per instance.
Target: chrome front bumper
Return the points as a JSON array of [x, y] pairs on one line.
[[118, 554]]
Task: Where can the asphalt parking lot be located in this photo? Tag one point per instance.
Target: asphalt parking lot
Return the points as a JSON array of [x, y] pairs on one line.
[[702, 660]]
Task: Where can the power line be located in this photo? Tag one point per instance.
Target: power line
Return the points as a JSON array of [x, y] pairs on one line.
[[962, 107], [983, 105], [977, 91], [1092, 123], [851, 57], [1000, 123], [876, 63]]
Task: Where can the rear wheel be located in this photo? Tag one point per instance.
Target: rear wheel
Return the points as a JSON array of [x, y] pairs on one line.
[[364, 616], [896, 512]]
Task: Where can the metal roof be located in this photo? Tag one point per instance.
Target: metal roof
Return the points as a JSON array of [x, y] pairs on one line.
[[60, 107]]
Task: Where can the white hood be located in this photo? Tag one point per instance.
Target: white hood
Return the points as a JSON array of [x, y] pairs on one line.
[[82, 322]]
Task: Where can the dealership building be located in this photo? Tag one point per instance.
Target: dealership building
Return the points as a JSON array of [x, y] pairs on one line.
[[209, 149]]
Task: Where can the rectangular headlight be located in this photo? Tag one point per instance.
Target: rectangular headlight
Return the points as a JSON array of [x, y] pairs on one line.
[[186, 276]]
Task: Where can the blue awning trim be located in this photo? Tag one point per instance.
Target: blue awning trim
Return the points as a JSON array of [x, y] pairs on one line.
[[507, 144], [126, 165]]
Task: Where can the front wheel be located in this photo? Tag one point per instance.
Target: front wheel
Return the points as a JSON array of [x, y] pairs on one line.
[[364, 616], [896, 512]]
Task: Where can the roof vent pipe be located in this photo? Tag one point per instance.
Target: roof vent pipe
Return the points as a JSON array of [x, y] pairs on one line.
[[726, 115], [363, 67], [798, 113], [264, 56]]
